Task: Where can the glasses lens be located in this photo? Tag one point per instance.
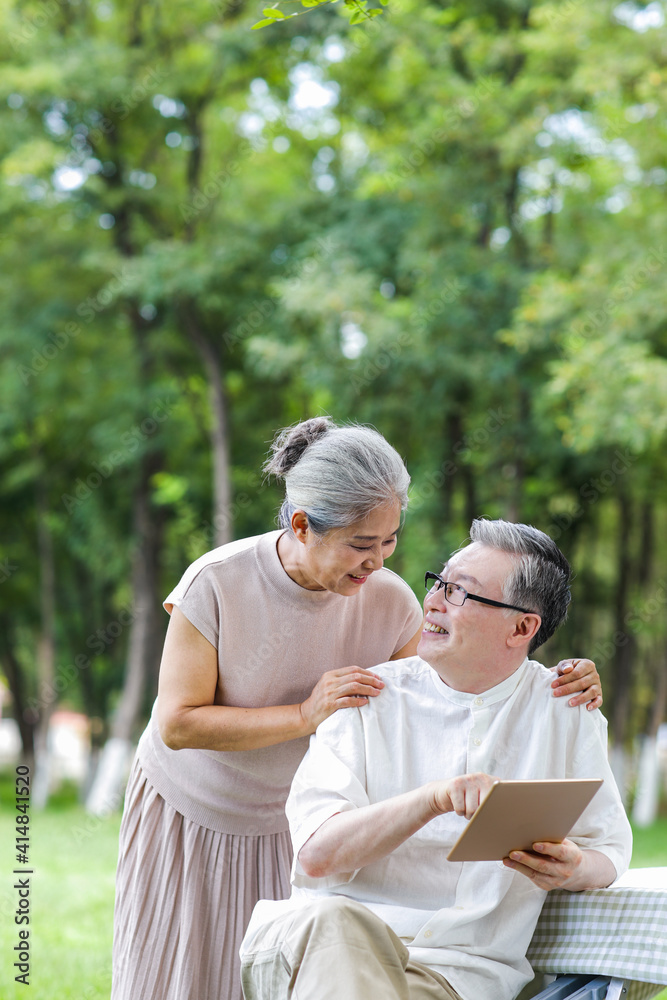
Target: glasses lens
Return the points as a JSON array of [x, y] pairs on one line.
[[455, 594], [432, 582]]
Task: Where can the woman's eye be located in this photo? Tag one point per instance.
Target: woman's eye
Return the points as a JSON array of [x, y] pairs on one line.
[[362, 548]]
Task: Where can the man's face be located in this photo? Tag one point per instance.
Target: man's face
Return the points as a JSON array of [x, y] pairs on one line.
[[472, 650]]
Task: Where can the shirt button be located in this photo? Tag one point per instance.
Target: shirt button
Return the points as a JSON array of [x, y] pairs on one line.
[[477, 742], [479, 701], [428, 934]]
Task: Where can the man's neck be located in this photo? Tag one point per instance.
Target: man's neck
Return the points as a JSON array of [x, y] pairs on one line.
[[480, 680]]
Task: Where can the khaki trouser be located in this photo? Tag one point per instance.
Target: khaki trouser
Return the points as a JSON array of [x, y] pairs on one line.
[[336, 948]]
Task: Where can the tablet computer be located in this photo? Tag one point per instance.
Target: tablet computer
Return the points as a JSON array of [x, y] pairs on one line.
[[517, 814]]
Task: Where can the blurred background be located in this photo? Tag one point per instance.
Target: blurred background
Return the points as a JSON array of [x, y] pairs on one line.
[[447, 221]]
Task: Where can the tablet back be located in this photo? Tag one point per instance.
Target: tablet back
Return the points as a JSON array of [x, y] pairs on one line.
[[517, 814]]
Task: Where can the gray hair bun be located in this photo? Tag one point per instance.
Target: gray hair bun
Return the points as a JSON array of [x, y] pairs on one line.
[[336, 475], [289, 444]]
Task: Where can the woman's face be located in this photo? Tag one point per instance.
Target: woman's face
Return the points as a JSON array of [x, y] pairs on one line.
[[342, 560]]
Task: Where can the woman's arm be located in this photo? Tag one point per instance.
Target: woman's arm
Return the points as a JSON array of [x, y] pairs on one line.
[[578, 675], [410, 648], [188, 718]]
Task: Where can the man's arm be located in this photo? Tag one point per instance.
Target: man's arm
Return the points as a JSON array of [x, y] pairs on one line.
[[356, 838], [563, 866]]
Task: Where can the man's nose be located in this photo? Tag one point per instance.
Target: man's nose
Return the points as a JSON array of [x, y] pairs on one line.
[[435, 600]]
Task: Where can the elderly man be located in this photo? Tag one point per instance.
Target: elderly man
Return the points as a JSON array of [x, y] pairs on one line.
[[377, 911]]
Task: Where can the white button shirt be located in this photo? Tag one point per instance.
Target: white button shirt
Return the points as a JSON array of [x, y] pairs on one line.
[[470, 921]]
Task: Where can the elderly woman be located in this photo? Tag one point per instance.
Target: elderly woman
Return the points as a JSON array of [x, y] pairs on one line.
[[263, 644]]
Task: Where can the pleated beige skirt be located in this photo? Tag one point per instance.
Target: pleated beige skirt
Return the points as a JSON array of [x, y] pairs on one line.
[[184, 896]]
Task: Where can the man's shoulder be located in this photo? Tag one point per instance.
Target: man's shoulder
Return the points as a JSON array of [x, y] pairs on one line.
[[408, 683], [537, 691], [403, 671], [537, 676]]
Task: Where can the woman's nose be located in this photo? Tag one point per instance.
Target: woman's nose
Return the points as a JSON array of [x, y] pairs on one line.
[[373, 561]]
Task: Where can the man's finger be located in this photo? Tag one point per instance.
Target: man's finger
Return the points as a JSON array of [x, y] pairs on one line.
[[561, 852]]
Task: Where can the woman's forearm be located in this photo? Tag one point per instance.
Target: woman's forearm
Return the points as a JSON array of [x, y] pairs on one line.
[[220, 727]]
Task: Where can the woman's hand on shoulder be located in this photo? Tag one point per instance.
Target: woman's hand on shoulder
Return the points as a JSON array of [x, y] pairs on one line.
[[578, 675], [349, 687]]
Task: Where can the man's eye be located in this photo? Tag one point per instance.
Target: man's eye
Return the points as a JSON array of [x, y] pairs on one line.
[[362, 548]]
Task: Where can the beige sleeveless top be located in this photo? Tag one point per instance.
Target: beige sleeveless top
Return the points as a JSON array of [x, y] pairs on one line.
[[274, 641]]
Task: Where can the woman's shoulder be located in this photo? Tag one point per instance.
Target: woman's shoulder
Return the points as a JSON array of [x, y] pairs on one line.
[[389, 582], [215, 564]]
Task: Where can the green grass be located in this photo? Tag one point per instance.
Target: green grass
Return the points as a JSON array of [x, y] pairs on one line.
[[74, 859]]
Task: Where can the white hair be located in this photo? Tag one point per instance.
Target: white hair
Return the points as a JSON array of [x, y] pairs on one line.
[[336, 475], [540, 579]]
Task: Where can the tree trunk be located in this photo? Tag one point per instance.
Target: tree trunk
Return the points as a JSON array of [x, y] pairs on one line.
[[463, 471], [46, 654], [515, 504], [222, 507], [647, 798], [106, 790], [16, 680], [626, 646], [647, 544]]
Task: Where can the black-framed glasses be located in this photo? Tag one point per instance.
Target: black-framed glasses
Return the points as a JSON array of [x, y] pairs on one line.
[[456, 595]]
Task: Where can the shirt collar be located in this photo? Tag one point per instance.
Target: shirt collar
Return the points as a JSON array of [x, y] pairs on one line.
[[495, 694]]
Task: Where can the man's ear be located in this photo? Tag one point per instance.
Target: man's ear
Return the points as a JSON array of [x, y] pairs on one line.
[[525, 629], [300, 526]]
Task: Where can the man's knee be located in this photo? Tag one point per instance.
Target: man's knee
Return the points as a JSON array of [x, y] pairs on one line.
[[329, 921]]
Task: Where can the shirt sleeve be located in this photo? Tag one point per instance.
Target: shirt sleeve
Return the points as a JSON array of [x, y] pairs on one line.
[[330, 779], [198, 597], [603, 826]]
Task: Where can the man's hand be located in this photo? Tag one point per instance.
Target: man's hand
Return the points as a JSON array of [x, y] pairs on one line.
[[553, 866], [581, 676], [462, 795]]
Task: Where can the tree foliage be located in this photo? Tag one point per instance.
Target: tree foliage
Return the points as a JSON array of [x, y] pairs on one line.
[[445, 221]]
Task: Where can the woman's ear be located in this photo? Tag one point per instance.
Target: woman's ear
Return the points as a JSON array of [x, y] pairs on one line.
[[300, 526]]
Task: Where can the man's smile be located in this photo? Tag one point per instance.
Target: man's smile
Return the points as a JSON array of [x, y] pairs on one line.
[[432, 627]]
